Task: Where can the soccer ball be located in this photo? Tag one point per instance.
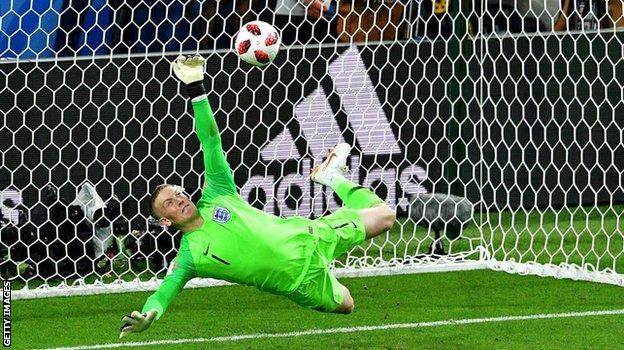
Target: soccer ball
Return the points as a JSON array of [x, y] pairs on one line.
[[257, 43]]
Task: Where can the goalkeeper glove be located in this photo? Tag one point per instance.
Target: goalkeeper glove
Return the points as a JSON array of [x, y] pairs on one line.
[[137, 322], [191, 71]]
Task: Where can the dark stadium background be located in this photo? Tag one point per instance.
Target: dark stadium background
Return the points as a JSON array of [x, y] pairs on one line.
[[124, 125]]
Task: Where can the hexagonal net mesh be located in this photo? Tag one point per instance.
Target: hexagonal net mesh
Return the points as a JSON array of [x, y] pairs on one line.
[[524, 131]]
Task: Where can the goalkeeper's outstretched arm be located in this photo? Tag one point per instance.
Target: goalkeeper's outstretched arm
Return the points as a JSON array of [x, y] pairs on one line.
[[181, 272], [218, 178]]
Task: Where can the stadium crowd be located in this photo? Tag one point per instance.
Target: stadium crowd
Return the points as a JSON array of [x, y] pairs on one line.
[[84, 28]]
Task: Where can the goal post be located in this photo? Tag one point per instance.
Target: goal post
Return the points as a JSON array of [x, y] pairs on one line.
[[527, 127]]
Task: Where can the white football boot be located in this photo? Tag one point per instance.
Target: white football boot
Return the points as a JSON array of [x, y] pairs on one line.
[[336, 163]]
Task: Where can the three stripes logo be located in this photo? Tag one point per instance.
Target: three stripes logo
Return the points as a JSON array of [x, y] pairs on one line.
[[367, 126]]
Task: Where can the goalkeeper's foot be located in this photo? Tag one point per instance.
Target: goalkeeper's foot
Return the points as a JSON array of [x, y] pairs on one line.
[[335, 164]]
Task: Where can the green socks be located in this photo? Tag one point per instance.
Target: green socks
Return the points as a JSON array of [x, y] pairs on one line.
[[353, 195]]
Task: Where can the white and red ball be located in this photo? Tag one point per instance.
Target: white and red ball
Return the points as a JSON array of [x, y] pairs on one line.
[[257, 43]]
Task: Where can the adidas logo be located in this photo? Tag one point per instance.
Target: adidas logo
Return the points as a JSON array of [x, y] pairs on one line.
[[293, 193]]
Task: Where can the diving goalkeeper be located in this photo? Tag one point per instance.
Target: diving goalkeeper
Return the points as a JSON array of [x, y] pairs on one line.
[[224, 237]]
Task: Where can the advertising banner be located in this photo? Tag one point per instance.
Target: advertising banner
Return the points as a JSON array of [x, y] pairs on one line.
[[534, 131], [126, 126]]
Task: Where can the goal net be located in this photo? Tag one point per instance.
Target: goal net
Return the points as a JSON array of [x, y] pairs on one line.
[[438, 98]]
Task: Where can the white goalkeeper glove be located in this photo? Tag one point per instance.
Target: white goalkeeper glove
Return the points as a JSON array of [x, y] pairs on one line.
[[190, 69], [137, 322]]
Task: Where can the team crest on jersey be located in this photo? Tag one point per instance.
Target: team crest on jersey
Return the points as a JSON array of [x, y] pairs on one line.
[[221, 215]]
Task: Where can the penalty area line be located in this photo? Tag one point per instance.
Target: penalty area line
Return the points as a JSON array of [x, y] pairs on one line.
[[451, 322]]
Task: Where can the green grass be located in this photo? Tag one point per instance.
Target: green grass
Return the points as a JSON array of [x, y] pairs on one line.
[[581, 236], [236, 310]]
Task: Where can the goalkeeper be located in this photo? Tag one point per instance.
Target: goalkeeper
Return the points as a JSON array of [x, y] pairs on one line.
[[224, 237]]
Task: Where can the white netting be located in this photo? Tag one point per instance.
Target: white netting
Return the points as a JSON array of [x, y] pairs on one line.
[[516, 107]]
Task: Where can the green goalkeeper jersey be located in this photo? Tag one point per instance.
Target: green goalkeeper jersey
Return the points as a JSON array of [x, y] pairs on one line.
[[237, 242]]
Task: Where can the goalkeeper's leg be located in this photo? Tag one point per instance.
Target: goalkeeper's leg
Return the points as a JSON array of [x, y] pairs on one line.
[[376, 216]]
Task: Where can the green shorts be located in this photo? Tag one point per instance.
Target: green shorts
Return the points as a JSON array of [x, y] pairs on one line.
[[338, 233]]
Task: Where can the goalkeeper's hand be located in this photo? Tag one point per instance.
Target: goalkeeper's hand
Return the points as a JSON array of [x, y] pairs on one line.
[[137, 322], [189, 69]]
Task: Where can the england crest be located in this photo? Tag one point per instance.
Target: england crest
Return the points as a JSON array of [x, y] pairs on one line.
[[221, 215]]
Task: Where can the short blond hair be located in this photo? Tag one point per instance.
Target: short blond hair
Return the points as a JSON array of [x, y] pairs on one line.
[[153, 200]]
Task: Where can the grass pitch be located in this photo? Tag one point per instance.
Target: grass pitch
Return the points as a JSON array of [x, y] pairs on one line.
[[240, 310], [578, 236]]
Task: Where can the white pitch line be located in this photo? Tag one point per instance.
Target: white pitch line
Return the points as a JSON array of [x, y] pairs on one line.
[[347, 330]]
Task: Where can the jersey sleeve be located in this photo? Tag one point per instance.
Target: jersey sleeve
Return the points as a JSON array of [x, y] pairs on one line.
[[218, 177], [181, 272]]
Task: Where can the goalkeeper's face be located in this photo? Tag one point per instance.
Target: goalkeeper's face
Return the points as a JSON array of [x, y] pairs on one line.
[[174, 207]]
